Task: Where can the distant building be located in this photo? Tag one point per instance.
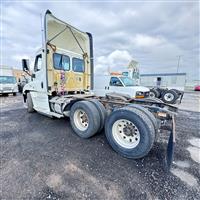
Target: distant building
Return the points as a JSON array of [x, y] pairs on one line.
[[167, 80], [18, 74]]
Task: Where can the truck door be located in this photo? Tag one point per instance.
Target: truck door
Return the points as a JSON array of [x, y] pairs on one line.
[[38, 76], [39, 94], [115, 85]]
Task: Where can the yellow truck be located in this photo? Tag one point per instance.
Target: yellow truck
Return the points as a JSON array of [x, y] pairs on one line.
[[62, 85]]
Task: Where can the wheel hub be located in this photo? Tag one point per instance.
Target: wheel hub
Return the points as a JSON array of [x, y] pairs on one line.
[[126, 133], [169, 97], [129, 130], [81, 119]]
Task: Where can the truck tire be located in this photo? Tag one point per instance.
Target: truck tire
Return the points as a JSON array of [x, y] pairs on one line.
[[154, 93], [130, 132], [148, 113], [169, 96], [29, 103], [102, 112], [84, 119], [155, 122], [177, 91]]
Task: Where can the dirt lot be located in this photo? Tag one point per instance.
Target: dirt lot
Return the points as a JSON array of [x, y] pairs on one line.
[[41, 158]]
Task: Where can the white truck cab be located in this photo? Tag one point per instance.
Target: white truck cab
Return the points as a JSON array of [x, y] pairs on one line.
[[62, 66], [104, 84], [8, 83]]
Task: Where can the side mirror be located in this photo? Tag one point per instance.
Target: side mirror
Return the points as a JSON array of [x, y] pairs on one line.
[[25, 65]]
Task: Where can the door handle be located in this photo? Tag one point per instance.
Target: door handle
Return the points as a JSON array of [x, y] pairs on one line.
[[106, 88], [41, 84]]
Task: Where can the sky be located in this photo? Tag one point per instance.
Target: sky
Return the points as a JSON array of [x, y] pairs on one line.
[[154, 33]]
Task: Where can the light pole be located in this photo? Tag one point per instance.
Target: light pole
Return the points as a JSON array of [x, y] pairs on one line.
[[178, 65]]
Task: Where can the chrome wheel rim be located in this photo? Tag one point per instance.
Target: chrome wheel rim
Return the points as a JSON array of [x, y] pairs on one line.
[[125, 133], [169, 97], [81, 119]]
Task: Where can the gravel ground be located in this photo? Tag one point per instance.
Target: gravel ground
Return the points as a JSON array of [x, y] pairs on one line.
[[41, 158]]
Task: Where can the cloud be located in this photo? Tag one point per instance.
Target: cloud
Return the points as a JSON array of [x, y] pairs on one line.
[[153, 33], [142, 40], [116, 60]]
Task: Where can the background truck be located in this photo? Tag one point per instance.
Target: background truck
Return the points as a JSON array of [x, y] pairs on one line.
[[105, 84], [164, 89], [61, 86], [8, 83]]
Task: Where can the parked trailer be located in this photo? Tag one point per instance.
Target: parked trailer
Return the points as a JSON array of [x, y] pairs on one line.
[[61, 86]]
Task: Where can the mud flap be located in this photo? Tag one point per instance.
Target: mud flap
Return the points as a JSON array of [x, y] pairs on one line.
[[170, 147], [181, 97]]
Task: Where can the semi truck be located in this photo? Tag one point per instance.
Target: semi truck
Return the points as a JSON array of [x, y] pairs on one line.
[[105, 84], [62, 86], [8, 82]]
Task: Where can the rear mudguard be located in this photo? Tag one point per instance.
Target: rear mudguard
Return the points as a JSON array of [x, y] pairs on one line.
[[170, 147]]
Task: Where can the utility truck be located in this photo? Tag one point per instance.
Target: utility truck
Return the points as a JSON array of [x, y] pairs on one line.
[[105, 84], [62, 85], [8, 83]]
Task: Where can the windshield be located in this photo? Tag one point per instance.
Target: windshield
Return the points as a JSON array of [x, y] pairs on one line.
[[7, 79], [128, 81]]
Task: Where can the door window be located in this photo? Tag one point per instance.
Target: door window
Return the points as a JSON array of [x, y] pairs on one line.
[[114, 81], [38, 63]]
